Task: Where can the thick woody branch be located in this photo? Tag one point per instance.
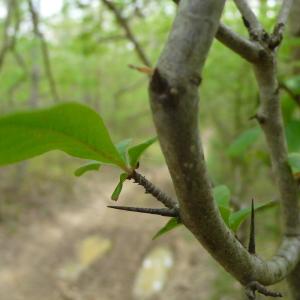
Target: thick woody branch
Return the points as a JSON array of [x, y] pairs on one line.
[[174, 101], [129, 34], [243, 47]]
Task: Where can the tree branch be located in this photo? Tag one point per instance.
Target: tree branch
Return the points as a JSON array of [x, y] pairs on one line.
[[124, 24], [45, 51], [243, 47], [174, 102], [253, 25]]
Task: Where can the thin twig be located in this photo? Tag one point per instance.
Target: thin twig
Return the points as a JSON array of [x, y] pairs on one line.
[[44, 49], [294, 96], [166, 212], [6, 39], [150, 188], [255, 286], [283, 15], [252, 23], [124, 24], [251, 246]]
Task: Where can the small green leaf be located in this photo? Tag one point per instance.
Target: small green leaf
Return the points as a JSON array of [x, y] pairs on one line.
[[171, 224], [238, 217], [221, 194], [115, 195], [89, 166], [122, 148], [294, 161], [243, 142], [135, 152], [71, 127], [225, 214], [292, 135]]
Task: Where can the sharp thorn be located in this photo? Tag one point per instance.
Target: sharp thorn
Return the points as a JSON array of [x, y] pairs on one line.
[[251, 246]]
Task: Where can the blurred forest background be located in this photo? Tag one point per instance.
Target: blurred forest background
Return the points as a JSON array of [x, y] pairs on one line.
[[57, 238]]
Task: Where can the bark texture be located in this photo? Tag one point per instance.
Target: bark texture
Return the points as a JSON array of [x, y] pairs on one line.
[[175, 102]]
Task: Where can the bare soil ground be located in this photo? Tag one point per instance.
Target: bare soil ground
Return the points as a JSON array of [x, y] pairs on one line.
[[45, 240]]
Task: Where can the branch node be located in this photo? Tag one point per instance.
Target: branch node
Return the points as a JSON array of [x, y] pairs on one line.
[[261, 119]]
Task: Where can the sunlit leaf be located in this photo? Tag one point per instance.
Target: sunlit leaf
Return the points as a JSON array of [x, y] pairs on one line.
[[135, 152], [122, 148], [89, 166], [73, 128], [171, 224], [221, 195], [294, 161], [243, 142], [225, 214], [116, 193], [238, 217]]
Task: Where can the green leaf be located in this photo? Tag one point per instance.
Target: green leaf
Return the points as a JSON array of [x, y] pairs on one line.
[[116, 193], [73, 128], [122, 148], [135, 152], [225, 214], [238, 217], [172, 223], [89, 166], [243, 142], [294, 161], [292, 135], [221, 194]]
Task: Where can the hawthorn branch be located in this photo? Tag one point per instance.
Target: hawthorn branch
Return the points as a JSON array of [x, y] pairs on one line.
[[131, 37], [174, 102], [150, 188]]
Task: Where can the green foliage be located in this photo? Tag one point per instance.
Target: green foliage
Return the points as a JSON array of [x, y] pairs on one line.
[[243, 142], [171, 224], [135, 152], [238, 217], [292, 135], [71, 127], [221, 195], [89, 166], [116, 193], [294, 161]]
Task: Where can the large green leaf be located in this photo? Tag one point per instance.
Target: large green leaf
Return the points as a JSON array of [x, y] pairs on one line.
[[135, 152], [89, 166], [294, 161], [243, 142], [116, 193], [73, 128], [238, 217], [171, 224]]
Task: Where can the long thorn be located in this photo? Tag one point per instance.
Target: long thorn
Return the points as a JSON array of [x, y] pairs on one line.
[[153, 211], [251, 247]]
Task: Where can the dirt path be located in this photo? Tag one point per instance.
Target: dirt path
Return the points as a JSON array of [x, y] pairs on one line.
[[40, 260]]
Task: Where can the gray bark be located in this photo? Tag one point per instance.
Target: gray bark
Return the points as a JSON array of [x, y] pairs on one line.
[[175, 102]]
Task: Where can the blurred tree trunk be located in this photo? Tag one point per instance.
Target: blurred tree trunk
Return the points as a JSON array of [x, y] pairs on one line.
[[294, 278]]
